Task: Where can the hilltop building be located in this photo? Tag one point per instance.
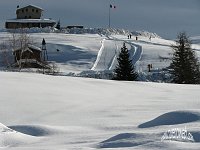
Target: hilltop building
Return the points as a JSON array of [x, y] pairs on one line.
[[28, 17]]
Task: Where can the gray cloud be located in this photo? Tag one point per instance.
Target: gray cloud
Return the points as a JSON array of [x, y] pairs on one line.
[[165, 17]]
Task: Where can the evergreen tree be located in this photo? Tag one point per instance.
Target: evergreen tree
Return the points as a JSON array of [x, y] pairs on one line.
[[125, 69], [58, 25], [184, 66]]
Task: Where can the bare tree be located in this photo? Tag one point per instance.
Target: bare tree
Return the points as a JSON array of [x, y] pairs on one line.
[[19, 39]]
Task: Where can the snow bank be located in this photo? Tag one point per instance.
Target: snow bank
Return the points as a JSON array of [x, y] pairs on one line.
[[146, 141], [131, 140], [9, 137], [127, 140], [172, 118], [36, 130]]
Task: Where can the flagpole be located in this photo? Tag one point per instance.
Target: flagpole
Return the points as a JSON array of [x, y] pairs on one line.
[[109, 17]]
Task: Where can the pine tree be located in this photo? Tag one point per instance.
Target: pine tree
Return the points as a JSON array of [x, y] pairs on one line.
[[125, 69], [58, 25], [184, 66]]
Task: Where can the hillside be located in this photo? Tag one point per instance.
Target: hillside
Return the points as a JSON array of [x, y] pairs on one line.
[[90, 51]]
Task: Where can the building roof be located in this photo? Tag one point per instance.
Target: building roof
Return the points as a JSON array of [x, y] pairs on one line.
[[30, 6], [31, 20], [30, 48], [34, 47]]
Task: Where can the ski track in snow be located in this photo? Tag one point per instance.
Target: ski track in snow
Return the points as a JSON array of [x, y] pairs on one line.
[[107, 55]]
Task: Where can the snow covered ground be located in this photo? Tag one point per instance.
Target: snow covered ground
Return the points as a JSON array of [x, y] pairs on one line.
[[59, 112], [51, 112]]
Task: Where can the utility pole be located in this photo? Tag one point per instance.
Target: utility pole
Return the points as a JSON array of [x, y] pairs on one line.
[[109, 16]]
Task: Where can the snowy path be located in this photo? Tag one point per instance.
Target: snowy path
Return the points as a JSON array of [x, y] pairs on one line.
[[110, 49], [106, 56], [137, 52]]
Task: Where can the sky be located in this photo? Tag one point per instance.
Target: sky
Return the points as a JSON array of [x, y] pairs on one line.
[[165, 17]]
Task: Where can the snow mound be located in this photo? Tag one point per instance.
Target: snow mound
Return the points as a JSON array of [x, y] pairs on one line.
[[36, 130], [11, 137], [4, 129], [142, 140], [196, 136], [172, 118], [128, 140]]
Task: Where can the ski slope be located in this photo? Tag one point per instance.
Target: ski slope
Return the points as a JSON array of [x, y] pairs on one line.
[[109, 52], [81, 52], [76, 53]]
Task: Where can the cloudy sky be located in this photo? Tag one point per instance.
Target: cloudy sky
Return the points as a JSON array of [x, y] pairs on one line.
[[165, 17]]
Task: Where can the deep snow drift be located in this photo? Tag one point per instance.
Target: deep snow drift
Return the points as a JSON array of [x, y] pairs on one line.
[[52, 112], [172, 118], [9, 137]]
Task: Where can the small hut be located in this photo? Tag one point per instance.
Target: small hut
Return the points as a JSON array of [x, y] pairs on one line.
[[29, 57]]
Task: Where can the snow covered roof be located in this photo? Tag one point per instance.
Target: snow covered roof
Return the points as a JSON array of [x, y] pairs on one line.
[[30, 6], [30, 48], [32, 20], [34, 47]]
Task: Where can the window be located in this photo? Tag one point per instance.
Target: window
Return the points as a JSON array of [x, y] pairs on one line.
[[26, 9], [33, 10], [36, 10], [22, 10]]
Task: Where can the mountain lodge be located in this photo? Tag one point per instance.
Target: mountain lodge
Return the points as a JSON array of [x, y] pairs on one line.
[[28, 17]]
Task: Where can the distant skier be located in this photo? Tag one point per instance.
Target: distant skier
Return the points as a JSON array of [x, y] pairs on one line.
[[150, 37], [150, 66], [130, 36], [136, 38]]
